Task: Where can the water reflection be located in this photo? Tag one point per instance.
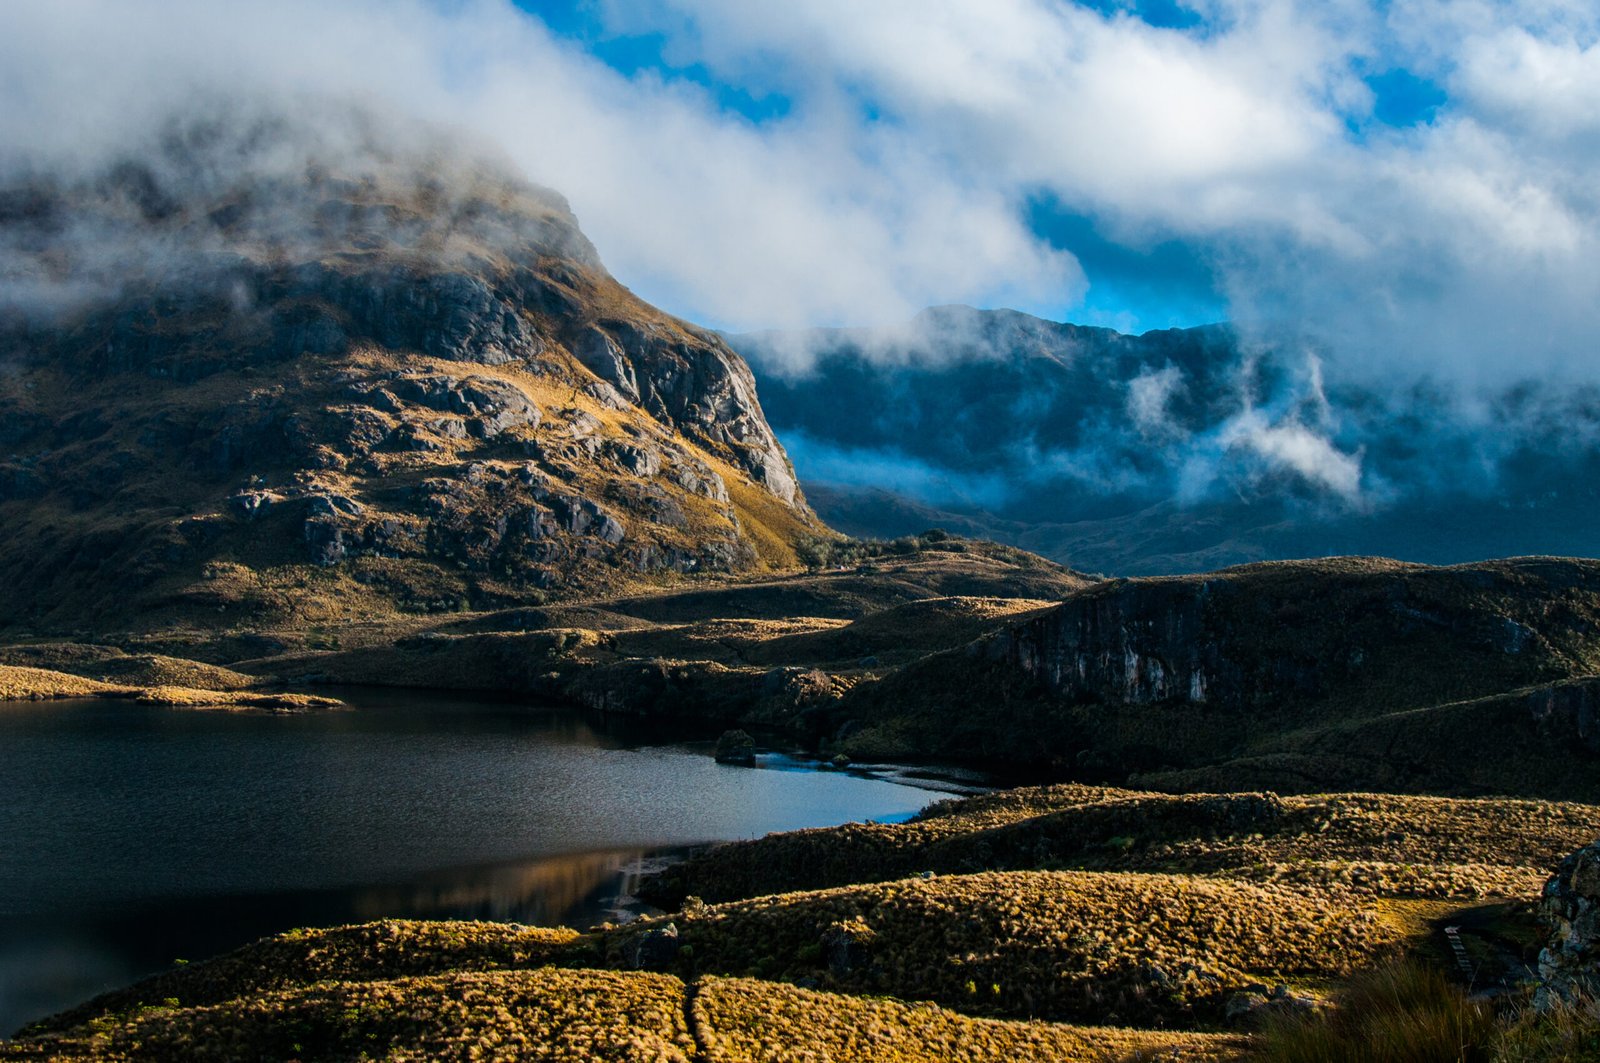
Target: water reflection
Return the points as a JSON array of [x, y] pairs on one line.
[[579, 888], [133, 835]]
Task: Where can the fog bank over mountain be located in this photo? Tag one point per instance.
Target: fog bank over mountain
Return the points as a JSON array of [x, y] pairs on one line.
[[1176, 450], [1403, 187]]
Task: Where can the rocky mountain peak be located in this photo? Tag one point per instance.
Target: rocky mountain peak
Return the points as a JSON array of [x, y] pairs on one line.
[[265, 346]]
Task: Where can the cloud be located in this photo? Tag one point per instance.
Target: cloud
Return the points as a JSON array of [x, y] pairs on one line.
[[1463, 247], [705, 212], [1458, 253], [894, 470], [918, 134], [1148, 395]]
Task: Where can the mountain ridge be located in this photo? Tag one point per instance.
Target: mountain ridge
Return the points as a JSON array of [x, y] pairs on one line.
[[406, 381], [1176, 450]]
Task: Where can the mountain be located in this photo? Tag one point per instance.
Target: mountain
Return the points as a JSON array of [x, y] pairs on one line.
[[1180, 450], [273, 369]]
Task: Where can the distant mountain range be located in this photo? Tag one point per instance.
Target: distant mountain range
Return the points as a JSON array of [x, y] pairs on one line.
[[1178, 450]]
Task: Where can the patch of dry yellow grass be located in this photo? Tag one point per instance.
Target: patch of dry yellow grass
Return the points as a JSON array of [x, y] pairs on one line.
[[1137, 948], [35, 684], [378, 951], [746, 1021], [545, 1014], [1374, 845]]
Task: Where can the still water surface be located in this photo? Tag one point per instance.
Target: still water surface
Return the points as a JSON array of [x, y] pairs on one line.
[[132, 835]]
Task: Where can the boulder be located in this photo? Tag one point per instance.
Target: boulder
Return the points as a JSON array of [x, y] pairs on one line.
[[736, 747], [653, 949], [1569, 964], [847, 946]]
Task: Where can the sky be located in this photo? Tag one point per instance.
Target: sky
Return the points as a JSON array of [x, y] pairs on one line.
[[1404, 186]]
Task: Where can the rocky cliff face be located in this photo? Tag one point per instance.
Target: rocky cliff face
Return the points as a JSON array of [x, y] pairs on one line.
[[1303, 666], [1261, 636], [233, 386]]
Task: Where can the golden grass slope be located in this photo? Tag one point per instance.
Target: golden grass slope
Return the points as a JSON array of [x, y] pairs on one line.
[[387, 949], [1369, 844], [1083, 946], [572, 1015], [544, 1014], [35, 684], [748, 1021]]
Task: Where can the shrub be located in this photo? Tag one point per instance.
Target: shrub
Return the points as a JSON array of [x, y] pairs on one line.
[[1398, 1013]]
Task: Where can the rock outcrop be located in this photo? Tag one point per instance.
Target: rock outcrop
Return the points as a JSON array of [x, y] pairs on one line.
[[1294, 669], [1569, 964]]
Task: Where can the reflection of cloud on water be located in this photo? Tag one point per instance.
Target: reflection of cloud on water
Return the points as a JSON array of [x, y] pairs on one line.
[[547, 891]]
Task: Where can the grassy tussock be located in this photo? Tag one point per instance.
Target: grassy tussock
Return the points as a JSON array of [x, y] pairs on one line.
[[1146, 949], [1398, 1013], [387, 949], [546, 1014], [1570, 1033], [750, 1020]]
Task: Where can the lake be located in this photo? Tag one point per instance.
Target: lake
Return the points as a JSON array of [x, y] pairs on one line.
[[131, 836]]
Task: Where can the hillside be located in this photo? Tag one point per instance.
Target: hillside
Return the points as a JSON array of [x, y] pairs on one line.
[[259, 376], [1276, 660], [1057, 923]]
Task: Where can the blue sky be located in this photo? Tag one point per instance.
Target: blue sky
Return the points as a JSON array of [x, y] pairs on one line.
[[1143, 281], [1400, 186]]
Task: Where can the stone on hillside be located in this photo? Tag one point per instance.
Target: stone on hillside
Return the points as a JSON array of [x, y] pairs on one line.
[[1569, 965], [253, 503], [601, 355], [652, 950], [736, 747], [848, 947]]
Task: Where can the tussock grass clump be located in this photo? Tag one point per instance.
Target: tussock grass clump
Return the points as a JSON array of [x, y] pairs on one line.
[[1147, 949], [390, 948], [744, 1021], [1396, 1013], [1567, 1033], [546, 1014]]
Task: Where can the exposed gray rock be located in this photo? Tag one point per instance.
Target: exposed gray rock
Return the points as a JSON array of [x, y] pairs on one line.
[[1570, 710], [606, 395], [1569, 964], [599, 354], [698, 478], [653, 949], [847, 947], [324, 539], [333, 505], [252, 504], [582, 516], [456, 316], [641, 461], [492, 406]]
